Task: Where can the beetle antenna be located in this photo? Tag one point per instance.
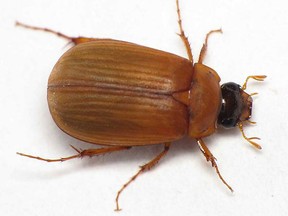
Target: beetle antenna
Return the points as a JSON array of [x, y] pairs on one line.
[[253, 94], [255, 77], [251, 122], [249, 139]]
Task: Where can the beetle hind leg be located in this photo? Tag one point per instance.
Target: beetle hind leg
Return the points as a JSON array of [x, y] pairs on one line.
[[143, 168], [182, 35], [80, 153], [73, 40], [209, 157]]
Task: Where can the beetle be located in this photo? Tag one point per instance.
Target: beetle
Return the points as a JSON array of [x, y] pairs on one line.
[[121, 95]]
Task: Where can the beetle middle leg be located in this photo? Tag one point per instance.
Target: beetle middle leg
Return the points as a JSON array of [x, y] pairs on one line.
[[81, 153], [209, 157], [73, 40], [143, 168]]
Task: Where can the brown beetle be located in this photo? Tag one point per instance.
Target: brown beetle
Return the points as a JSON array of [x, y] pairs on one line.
[[122, 95]]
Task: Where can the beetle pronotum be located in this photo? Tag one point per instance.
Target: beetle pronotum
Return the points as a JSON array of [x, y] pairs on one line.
[[120, 94]]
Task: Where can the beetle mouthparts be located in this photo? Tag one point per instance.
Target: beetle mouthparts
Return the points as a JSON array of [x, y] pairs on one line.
[[246, 106]]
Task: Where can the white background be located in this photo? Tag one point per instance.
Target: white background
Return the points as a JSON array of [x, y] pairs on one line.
[[255, 41]]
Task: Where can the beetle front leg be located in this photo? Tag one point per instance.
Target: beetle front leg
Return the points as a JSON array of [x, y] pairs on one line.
[[209, 157], [205, 45], [73, 40], [143, 168]]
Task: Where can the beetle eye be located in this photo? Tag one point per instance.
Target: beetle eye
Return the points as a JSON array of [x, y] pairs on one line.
[[231, 105], [229, 122]]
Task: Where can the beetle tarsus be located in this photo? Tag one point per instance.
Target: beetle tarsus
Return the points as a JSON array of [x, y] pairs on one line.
[[48, 160], [143, 168], [81, 154], [182, 35], [205, 45], [71, 40], [209, 157], [59, 34]]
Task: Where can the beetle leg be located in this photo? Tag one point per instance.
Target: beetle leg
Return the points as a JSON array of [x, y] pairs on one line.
[[209, 157], [182, 35], [73, 40], [205, 45], [81, 153], [143, 168]]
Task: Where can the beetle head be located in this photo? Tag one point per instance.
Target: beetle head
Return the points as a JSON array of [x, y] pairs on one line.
[[236, 105]]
